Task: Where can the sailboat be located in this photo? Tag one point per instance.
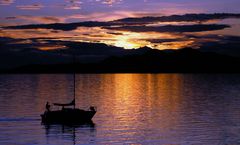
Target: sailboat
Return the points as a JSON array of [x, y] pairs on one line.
[[69, 114]]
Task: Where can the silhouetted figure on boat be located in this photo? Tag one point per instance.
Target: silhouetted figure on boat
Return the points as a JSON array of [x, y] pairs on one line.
[[92, 108], [48, 107]]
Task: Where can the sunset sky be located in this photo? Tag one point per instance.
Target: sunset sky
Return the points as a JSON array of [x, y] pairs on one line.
[[112, 27], [45, 11]]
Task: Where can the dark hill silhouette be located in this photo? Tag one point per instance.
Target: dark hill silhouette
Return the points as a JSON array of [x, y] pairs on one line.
[[152, 61], [217, 56], [228, 46], [14, 54]]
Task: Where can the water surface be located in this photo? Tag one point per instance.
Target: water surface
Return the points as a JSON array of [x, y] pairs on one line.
[[132, 109]]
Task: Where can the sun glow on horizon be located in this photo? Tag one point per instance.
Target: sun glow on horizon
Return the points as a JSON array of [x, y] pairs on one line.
[[129, 41], [41, 38]]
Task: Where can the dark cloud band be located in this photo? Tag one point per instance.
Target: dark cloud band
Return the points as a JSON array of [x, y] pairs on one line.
[[171, 28], [139, 24]]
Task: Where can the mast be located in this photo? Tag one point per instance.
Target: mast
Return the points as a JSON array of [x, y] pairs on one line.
[[74, 81], [74, 85]]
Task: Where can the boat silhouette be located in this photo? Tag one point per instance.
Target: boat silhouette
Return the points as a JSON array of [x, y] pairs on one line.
[[68, 115]]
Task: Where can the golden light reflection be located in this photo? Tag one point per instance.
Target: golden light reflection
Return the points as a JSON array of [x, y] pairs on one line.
[[132, 94]]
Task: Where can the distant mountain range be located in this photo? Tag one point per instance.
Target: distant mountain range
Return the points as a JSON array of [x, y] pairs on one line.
[[146, 60], [102, 58]]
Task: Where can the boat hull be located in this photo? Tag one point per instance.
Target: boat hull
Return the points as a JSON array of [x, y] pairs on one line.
[[68, 116]]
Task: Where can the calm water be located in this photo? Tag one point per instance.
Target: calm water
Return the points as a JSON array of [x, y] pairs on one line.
[[132, 109]]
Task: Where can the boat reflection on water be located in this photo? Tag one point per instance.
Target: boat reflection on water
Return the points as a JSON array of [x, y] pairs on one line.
[[70, 133]]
